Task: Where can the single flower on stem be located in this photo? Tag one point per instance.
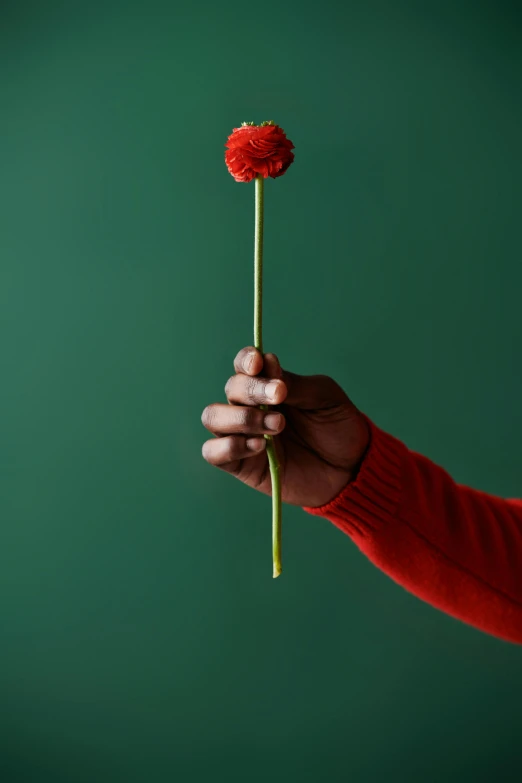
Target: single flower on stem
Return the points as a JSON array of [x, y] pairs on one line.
[[255, 152]]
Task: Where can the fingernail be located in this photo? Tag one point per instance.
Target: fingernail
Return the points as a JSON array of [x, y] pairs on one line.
[[249, 361], [272, 421], [255, 444], [271, 390]]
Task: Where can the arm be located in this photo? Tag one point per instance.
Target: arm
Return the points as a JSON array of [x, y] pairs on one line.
[[457, 548]]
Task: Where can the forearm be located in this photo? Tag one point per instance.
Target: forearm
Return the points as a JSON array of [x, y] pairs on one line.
[[456, 548]]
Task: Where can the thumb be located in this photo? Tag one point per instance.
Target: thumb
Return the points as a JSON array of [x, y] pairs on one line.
[[307, 392]]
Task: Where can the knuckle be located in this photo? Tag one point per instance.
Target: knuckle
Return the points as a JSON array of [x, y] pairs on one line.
[[235, 448], [252, 389], [249, 419]]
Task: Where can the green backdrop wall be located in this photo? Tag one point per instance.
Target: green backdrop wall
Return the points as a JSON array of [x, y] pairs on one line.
[[142, 637]]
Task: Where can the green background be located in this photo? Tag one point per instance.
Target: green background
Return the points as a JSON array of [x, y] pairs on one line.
[[142, 637]]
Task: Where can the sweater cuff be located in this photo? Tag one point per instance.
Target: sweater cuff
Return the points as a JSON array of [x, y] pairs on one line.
[[371, 500]]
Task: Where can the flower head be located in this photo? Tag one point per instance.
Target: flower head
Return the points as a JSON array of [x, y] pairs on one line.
[[258, 149]]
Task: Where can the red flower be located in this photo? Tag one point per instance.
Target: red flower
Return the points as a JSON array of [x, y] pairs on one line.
[[253, 150]]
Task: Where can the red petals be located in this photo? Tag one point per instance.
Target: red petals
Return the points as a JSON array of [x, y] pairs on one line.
[[253, 150]]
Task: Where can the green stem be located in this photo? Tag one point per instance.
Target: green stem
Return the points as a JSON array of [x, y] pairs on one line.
[[258, 342]]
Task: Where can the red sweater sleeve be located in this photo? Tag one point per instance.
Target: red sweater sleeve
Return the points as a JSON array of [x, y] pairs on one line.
[[457, 548]]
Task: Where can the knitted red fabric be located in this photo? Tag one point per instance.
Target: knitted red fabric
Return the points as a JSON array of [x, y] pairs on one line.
[[457, 548]]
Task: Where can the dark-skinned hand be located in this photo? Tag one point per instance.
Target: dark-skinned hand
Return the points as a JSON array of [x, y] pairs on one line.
[[320, 436]]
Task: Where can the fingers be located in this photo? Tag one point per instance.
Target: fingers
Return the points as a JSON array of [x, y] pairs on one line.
[[307, 392], [247, 387], [248, 390], [229, 419], [250, 361], [227, 452]]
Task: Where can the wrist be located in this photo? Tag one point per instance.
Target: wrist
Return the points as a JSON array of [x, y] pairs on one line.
[[364, 438], [373, 491]]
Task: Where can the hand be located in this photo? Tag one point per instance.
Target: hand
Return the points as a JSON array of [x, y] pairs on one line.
[[320, 440]]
